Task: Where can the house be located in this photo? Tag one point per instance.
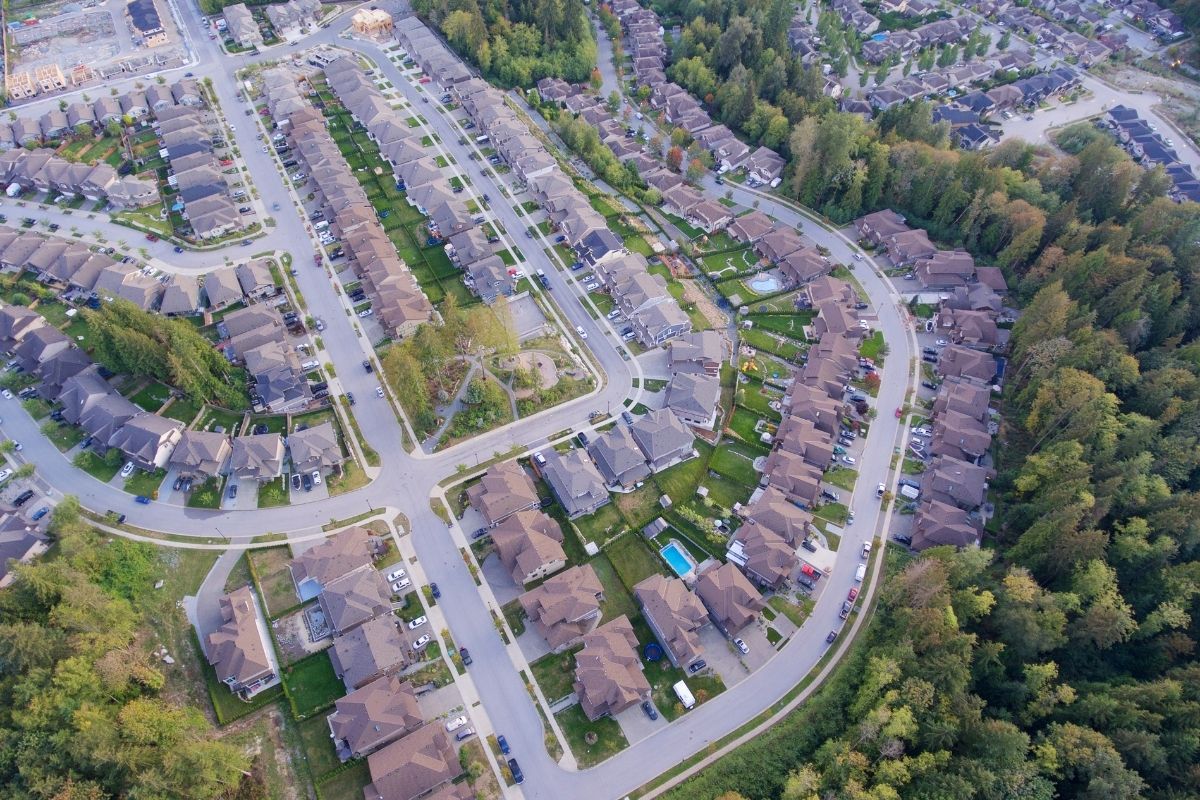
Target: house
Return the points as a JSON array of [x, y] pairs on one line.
[[372, 650], [776, 513], [255, 278], [529, 544], [20, 543], [764, 165], [15, 322], [694, 397], [675, 615], [105, 416], [575, 481], [964, 396], [618, 458], [731, 600], [792, 475], [222, 288], [502, 492], [907, 246], [354, 598], [700, 352], [960, 436], [60, 367], [147, 440], [955, 482], [200, 454], [763, 554], [608, 672], [662, 438], [344, 552], [80, 394], [257, 457], [709, 215], [879, 226], [660, 322], [958, 361], [750, 227], [243, 28], [277, 375], [415, 764], [39, 345], [315, 449], [238, 649], [490, 278], [937, 523], [181, 297], [565, 607], [375, 715]]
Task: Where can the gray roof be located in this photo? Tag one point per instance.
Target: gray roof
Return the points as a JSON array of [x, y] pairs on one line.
[[204, 452], [661, 435], [617, 456], [258, 456], [575, 480], [695, 395], [354, 598], [315, 448]]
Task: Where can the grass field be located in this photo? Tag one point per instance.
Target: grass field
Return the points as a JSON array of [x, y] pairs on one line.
[[152, 397], [274, 578], [873, 347], [617, 599], [145, 483], [791, 325], [274, 493], [63, 435], [633, 559], [555, 673], [317, 746], [348, 783], [312, 685], [601, 525], [609, 738], [842, 478], [736, 462]]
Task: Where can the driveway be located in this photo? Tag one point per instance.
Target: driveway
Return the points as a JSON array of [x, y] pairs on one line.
[[721, 657], [656, 363], [500, 580], [440, 702], [636, 725], [247, 495]]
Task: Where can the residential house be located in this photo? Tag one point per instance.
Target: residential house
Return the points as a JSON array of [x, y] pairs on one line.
[[200, 454], [375, 715], [315, 449], [257, 457], [238, 649], [694, 398], [412, 766], [575, 481], [731, 600], [777, 514], [254, 277], [19, 543], [60, 367], [39, 345], [344, 552], [700, 352], [955, 482], [352, 599], [945, 269], [937, 523], [147, 440], [369, 651], [663, 439], [764, 165], [243, 28], [880, 226], [907, 246], [660, 322], [751, 227], [618, 458], [565, 607], [529, 545], [608, 672], [222, 288], [503, 491], [181, 296], [104, 417], [675, 614], [763, 554], [958, 361]]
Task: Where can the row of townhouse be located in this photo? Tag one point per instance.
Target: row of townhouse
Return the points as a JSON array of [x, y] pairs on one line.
[[1148, 147], [431, 54], [189, 138], [40, 170], [1054, 36], [778, 516], [380, 717], [398, 302], [941, 33], [258, 337], [132, 106]]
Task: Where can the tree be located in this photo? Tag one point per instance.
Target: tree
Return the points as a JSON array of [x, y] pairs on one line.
[[675, 158], [614, 100]]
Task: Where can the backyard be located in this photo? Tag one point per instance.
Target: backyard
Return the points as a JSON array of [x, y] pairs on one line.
[[270, 567], [312, 685]]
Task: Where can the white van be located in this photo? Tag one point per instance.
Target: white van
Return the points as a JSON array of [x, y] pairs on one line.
[[684, 694], [860, 573], [322, 225]]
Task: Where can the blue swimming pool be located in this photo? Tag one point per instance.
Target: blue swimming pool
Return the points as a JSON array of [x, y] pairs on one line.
[[764, 284], [678, 558]]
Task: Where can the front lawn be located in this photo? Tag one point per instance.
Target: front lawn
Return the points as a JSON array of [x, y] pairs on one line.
[[609, 738], [796, 613], [633, 560], [872, 347], [834, 512], [841, 477], [352, 478], [312, 685], [274, 493], [555, 673], [206, 495], [64, 435], [145, 483]]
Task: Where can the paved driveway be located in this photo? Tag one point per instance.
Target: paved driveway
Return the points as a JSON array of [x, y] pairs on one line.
[[440, 702], [636, 725], [503, 586], [721, 657]]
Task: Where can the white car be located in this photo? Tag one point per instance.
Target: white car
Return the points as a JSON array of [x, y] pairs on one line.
[[922, 431], [591, 287], [848, 460], [379, 391], [418, 622], [6, 394], [879, 490], [316, 476], [741, 645], [578, 329], [17, 446], [127, 470], [401, 585], [942, 343], [858, 257], [396, 575], [5, 474], [456, 723], [366, 313], [419, 643]]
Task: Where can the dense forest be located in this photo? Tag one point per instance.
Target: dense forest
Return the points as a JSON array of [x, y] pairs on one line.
[[82, 716], [517, 42]]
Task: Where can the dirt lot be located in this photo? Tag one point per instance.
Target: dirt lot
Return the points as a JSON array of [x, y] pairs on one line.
[[1181, 98]]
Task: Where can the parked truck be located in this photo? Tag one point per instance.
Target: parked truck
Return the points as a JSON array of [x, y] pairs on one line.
[[684, 694]]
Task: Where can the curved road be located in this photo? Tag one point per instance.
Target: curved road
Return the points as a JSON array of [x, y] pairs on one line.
[[407, 480]]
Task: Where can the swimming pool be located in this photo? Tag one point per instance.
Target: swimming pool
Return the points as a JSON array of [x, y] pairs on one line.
[[681, 563], [764, 284]]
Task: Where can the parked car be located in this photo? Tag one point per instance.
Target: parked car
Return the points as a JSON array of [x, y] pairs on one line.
[[418, 622], [232, 493], [648, 707], [141, 498], [41, 512], [435, 591], [456, 723], [515, 769], [465, 733], [578, 329], [401, 585], [808, 545], [846, 607], [419, 643], [502, 743], [879, 490], [832, 635], [396, 575], [127, 470], [316, 476], [853, 595], [466, 656], [741, 645]]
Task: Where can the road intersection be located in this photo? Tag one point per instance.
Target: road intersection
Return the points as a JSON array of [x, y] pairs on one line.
[[407, 480]]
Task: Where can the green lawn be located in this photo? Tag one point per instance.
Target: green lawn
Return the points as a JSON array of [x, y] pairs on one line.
[[601, 525], [752, 396], [725, 493], [317, 746], [183, 410], [742, 423], [152, 397], [276, 423], [797, 613], [834, 512], [514, 615], [787, 324], [348, 783], [206, 495], [63, 435], [872, 347], [842, 478], [274, 493], [761, 340], [555, 673], [639, 506], [576, 727], [617, 599], [229, 420], [680, 481], [633, 559], [145, 483], [312, 685], [736, 462], [274, 578]]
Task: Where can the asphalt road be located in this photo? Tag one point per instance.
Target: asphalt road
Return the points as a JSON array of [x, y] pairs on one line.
[[406, 480]]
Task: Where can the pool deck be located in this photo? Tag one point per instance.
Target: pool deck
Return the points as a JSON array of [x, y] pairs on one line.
[[681, 554]]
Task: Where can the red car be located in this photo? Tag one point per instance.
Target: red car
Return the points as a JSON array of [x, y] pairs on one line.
[[853, 594], [898, 413], [426, 79], [150, 237]]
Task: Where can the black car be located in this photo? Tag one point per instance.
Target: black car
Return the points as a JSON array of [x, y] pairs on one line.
[[350, 398], [929, 385], [808, 545], [846, 606], [930, 359], [466, 656], [306, 481], [367, 365], [295, 481], [187, 484], [435, 591], [583, 439], [515, 769], [232, 491], [23, 498], [832, 635], [699, 665], [479, 533], [178, 484], [119, 517], [648, 707]]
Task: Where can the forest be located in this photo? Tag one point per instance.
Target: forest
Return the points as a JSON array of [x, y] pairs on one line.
[[82, 711], [517, 42]]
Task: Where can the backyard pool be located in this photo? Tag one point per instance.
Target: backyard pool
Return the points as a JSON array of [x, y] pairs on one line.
[[764, 284], [678, 558]]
